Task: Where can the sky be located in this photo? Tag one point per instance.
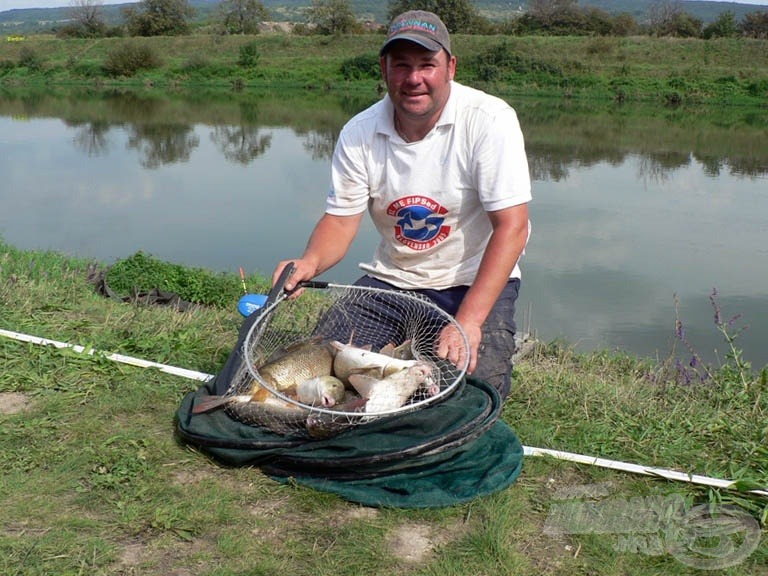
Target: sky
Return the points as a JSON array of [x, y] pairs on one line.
[[11, 4]]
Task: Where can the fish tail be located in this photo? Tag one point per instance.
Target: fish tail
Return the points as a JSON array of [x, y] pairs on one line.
[[209, 404]]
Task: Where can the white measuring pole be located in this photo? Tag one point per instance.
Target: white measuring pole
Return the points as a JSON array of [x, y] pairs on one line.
[[528, 450], [183, 372], [638, 469]]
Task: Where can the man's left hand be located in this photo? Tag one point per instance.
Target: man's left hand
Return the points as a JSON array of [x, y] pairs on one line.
[[452, 347]]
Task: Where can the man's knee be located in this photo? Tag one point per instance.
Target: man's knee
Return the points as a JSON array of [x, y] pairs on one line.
[[494, 362]]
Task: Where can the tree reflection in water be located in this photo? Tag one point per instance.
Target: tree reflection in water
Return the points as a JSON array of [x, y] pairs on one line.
[[632, 204]]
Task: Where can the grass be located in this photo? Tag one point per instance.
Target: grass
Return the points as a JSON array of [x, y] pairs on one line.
[[95, 482], [661, 70]]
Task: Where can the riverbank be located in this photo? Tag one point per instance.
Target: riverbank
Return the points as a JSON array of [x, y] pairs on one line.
[[667, 71], [94, 480]]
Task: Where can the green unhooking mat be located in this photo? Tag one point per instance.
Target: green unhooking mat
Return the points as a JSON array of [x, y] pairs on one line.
[[440, 455]]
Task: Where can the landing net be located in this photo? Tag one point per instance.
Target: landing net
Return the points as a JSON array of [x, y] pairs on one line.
[[382, 346]]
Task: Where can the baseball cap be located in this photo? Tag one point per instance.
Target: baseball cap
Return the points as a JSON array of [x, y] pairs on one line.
[[420, 26]]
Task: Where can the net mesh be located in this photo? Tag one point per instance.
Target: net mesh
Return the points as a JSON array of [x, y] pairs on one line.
[[379, 344]]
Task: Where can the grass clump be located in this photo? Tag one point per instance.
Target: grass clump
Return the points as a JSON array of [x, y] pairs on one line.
[[141, 273]]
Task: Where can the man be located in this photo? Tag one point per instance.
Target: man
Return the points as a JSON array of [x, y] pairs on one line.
[[443, 172]]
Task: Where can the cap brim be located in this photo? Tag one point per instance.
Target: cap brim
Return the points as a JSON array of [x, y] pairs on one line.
[[430, 45]]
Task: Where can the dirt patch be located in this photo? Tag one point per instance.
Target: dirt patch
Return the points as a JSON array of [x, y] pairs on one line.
[[14, 402], [187, 477], [415, 543], [161, 556]]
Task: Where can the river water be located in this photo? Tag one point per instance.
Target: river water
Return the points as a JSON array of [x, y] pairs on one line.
[[634, 209]]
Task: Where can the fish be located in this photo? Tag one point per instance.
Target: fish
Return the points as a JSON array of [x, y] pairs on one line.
[[283, 372], [349, 359], [392, 391], [279, 416], [325, 390], [322, 425], [299, 362]]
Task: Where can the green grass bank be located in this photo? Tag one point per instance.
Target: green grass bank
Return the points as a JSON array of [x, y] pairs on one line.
[[668, 71], [94, 481]]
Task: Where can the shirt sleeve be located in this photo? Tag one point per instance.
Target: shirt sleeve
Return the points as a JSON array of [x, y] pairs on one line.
[[500, 163], [350, 188]]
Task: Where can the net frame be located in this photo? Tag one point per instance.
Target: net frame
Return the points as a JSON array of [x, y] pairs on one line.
[[362, 316]]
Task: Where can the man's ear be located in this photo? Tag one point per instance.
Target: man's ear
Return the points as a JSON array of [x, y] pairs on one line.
[[451, 67]]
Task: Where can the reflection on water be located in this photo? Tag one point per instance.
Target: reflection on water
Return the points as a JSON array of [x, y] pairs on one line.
[[631, 208]]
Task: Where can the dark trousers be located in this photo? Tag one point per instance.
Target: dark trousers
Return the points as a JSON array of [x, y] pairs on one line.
[[494, 360]]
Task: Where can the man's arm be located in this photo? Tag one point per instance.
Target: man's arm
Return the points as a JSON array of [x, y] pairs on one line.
[[327, 245], [510, 234]]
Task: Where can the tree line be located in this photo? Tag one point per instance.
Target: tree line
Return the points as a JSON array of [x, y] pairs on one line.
[[329, 17]]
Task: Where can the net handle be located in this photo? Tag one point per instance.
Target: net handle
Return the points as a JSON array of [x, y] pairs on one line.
[[277, 290], [313, 284]]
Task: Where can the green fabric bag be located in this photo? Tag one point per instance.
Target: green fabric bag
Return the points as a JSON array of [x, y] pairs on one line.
[[444, 454]]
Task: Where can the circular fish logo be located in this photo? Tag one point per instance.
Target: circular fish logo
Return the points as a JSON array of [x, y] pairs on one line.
[[420, 223]]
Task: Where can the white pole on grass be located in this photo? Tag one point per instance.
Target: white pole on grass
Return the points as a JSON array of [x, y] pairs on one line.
[[528, 450], [183, 372]]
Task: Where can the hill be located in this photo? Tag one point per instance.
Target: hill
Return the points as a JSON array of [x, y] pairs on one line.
[[30, 20]]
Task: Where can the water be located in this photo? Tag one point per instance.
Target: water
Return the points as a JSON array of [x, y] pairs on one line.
[[632, 211]]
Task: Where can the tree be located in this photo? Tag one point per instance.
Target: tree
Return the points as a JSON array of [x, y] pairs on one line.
[[548, 10], [755, 25], [457, 15], [565, 17], [332, 17], [667, 18], [242, 16], [158, 18], [87, 19], [725, 26]]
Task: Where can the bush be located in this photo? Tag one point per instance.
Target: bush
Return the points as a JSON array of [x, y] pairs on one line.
[[29, 59], [196, 62], [85, 69], [249, 55], [360, 67], [129, 58], [504, 62]]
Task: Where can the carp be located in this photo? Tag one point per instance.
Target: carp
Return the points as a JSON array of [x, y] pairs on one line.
[[286, 372], [297, 363]]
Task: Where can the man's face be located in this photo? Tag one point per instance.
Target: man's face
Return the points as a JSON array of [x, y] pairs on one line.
[[418, 81]]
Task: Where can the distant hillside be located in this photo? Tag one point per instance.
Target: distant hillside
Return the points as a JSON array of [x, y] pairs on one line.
[[28, 20]]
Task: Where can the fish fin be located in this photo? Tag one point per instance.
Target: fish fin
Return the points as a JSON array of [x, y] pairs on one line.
[[260, 395], [388, 349], [355, 404], [363, 384], [209, 404], [403, 352]]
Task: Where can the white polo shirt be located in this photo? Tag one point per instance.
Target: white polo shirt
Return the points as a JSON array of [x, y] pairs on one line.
[[428, 199]]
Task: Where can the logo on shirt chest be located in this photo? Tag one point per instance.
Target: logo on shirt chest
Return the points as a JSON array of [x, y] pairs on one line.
[[420, 222]]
